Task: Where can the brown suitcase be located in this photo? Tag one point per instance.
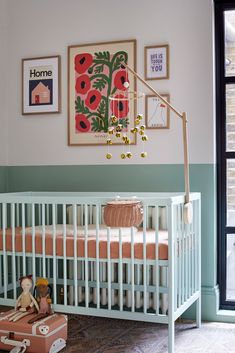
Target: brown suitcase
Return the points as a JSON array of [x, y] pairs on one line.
[[48, 335]]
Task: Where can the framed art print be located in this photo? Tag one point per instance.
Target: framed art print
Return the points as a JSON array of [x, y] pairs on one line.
[[157, 114], [95, 72], [41, 85], [157, 62]]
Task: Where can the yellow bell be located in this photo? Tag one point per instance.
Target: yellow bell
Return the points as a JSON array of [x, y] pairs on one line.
[[108, 155], [118, 134], [137, 121], [140, 116], [113, 119], [144, 138], [142, 127], [143, 154], [127, 141], [123, 156], [124, 138], [111, 130], [109, 142], [141, 132], [129, 155]]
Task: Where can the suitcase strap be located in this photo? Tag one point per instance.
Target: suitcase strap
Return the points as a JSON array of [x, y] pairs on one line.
[[21, 345]]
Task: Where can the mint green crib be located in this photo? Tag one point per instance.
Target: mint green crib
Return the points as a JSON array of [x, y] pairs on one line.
[[61, 236]]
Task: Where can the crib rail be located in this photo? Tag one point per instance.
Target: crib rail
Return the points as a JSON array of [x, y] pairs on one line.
[[49, 235]]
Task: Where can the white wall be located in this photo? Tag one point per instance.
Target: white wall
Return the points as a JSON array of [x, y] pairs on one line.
[[38, 28], [3, 84]]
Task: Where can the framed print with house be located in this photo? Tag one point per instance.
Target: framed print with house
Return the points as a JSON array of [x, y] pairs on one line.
[[95, 74], [157, 114], [41, 85], [156, 62]]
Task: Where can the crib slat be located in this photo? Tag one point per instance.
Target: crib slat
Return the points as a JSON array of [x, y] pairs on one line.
[[86, 257], [75, 260], [54, 253], [132, 271], [14, 279], [156, 277], [109, 269], [171, 284], [179, 255], [120, 275], [97, 258], [33, 241], [43, 243], [4, 223], [64, 255], [23, 237], [145, 260]]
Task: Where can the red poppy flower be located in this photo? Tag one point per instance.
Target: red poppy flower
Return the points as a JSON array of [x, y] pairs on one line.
[[93, 99], [119, 79], [82, 123], [119, 106], [83, 84], [82, 62]]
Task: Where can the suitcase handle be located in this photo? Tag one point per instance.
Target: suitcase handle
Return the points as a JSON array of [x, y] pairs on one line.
[[23, 344]]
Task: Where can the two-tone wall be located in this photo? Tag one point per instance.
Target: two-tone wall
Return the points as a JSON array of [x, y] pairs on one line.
[[36, 150]]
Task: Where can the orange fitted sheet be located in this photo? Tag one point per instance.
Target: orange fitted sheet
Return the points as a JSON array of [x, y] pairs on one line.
[[103, 244]]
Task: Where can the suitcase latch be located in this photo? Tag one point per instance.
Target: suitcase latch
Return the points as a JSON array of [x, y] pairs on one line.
[[19, 347]]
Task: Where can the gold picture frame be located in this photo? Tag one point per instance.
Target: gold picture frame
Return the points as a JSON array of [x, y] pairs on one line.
[[93, 67], [157, 115], [156, 62]]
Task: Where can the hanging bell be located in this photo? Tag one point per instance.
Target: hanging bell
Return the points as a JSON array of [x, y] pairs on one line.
[[140, 116], [113, 119], [108, 155], [118, 134], [109, 142], [123, 156], [144, 138], [141, 132], [142, 127], [143, 154], [111, 130], [137, 121], [129, 155]]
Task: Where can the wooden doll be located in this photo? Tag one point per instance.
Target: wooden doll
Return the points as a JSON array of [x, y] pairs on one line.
[[44, 293], [26, 303]]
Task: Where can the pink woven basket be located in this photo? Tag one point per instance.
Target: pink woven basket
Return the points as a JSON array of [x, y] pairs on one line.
[[128, 213]]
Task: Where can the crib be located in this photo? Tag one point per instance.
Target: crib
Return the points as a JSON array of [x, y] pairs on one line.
[[150, 273]]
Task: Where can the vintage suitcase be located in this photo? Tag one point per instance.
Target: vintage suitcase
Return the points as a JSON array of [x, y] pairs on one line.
[[48, 335]]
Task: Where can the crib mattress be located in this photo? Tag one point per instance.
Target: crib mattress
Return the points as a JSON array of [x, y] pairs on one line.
[[103, 243]]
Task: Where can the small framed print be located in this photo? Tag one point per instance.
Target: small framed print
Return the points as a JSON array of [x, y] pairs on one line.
[[41, 85], [157, 62], [157, 114]]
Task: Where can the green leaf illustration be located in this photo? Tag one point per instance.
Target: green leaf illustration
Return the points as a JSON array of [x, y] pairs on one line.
[[105, 55], [124, 121], [99, 84], [79, 106], [97, 125], [99, 69], [101, 108], [118, 59]]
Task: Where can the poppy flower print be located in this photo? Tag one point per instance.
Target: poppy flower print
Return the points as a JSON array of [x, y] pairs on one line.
[[82, 62], [82, 123], [120, 106], [97, 77], [120, 78], [93, 99], [83, 84]]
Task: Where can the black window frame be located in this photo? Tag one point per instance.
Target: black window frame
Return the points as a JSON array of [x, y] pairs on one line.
[[221, 154]]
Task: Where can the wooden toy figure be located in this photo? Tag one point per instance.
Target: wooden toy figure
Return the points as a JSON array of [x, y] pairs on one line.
[[25, 304], [44, 293]]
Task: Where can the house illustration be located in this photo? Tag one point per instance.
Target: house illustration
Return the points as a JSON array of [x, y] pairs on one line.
[[40, 94]]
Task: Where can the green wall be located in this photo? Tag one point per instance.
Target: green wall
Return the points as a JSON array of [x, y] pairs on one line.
[[3, 179]]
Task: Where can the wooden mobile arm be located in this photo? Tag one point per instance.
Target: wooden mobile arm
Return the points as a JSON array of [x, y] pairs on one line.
[[183, 116]]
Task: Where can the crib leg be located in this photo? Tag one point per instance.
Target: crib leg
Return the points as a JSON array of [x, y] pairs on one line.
[[171, 336], [198, 312]]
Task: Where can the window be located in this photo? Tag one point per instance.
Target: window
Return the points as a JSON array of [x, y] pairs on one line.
[[225, 127]]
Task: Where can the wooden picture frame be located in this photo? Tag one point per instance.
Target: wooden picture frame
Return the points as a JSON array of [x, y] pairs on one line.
[[156, 62], [41, 85], [93, 74], [157, 114]]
